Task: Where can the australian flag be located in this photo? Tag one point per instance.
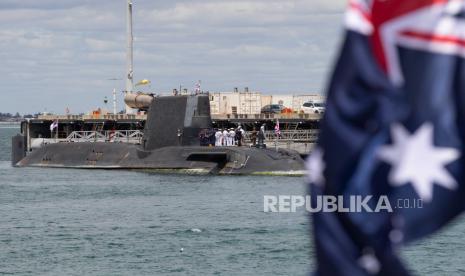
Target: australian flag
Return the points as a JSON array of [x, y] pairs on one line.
[[394, 126]]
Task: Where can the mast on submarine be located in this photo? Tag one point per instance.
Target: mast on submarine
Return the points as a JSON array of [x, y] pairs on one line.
[[129, 56]]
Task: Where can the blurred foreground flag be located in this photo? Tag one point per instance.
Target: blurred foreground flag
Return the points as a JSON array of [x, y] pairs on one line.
[[394, 130]]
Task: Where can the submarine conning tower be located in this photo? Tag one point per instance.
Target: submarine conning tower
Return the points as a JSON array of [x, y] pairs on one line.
[[176, 121]]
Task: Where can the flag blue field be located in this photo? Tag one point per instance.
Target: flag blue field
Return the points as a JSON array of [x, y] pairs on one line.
[[394, 126]]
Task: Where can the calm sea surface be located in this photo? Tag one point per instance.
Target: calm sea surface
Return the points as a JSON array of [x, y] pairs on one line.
[[81, 222]]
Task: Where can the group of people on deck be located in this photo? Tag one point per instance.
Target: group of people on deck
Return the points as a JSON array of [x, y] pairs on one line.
[[229, 138]]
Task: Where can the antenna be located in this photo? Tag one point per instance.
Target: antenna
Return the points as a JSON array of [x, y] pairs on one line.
[[129, 55], [114, 101]]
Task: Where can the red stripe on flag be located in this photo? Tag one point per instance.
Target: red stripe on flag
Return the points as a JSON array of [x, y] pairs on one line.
[[434, 38]]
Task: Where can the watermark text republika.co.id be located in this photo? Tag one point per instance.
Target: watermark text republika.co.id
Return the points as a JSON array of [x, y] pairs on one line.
[[330, 203]]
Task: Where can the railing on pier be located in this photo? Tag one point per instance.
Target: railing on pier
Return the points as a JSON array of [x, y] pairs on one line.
[[299, 140], [267, 117], [214, 116], [135, 136], [113, 117], [303, 136], [116, 136]]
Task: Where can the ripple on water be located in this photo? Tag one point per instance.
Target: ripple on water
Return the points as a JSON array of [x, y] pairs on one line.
[[64, 222]]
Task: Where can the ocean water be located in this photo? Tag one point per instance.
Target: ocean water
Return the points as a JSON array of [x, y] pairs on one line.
[[97, 222]]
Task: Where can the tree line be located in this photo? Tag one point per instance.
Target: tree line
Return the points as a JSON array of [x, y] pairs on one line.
[[16, 116]]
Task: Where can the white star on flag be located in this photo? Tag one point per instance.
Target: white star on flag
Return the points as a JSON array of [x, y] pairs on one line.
[[415, 159], [370, 263], [315, 167]]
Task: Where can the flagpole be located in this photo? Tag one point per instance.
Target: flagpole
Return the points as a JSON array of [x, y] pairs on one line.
[[114, 101], [57, 132], [276, 135], [276, 143], [129, 54]]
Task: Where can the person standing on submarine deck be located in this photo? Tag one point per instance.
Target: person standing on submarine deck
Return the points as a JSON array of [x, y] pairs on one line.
[[253, 137], [261, 136], [231, 137], [225, 137], [218, 135]]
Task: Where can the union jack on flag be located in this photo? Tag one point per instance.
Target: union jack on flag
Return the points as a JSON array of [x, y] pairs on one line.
[[394, 126]]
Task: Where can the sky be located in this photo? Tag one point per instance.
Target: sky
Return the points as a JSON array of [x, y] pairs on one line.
[[68, 53]]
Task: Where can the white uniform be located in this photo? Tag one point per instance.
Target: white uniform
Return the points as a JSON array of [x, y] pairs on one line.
[[232, 133], [261, 136], [225, 137], [218, 136]]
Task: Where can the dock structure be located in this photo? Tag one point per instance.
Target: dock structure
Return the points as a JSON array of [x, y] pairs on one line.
[[227, 110], [135, 136], [235, 118], [298, 131]]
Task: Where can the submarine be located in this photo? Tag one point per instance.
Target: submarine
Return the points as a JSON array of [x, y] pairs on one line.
[[170, 143]]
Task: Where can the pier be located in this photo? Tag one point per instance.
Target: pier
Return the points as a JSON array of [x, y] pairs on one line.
[[298, 131]]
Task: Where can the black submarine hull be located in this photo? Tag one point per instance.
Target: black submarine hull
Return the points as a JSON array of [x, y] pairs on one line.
[[170, 143], [193, 160]]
